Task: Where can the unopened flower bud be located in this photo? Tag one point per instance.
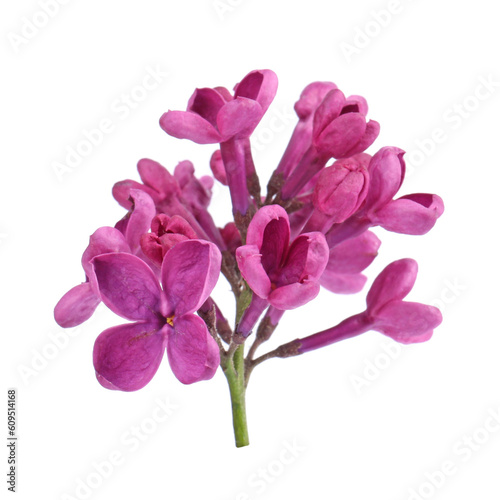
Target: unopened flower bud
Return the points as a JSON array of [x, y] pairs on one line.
[[341, 189]]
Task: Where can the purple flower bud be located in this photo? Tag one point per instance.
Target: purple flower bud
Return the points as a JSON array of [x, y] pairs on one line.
[[386, 312], [340, 129], [341, 189], [165, 233]]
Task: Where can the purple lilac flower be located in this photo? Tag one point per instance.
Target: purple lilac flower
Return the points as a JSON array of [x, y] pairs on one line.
[[215, 116], [179, 194], [386, 312], [127, 356], [285, 274], [413, 214]]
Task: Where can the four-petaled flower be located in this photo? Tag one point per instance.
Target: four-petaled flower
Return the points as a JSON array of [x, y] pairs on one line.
[[284, 273], [127, 356]]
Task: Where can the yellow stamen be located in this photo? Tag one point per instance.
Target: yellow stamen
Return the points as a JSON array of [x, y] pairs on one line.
[[170, 320]]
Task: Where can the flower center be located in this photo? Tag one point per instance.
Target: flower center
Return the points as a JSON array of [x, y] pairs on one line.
[[170, 320]]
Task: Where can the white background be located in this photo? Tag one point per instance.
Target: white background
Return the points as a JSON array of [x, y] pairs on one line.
[[359, 431]]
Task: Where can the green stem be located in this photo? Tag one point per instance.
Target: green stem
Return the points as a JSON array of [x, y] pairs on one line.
[[235, 374]]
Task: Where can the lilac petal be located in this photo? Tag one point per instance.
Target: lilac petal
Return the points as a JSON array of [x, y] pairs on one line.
[[340, 190], [152, 248], [126, 357], [192, 352], [342, 283], [231, 236], [193, 192], [128, 286], [294, 295], [217, 167], [386, 170], [275, 243], [261, 219], [162, 224], [225, 94], [412, 214], [353, 255], [371, 133], [207, 181], [137, 222], [393, 283], [121, 192], [76, 306], [260, 86], [189, 273], [328, 111], [311, 97], [207, 103], [306, 259], [355, 104], [338, 138], [103, 240], [188, 125], [156, 176], [249, 261], [238, 118], [408, 322]]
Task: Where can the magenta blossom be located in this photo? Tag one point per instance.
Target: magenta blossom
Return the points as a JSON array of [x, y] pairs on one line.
[[79, 303], [285, 274], [127, 356], [214, 116], [179, 194], [413, 214], [386, 312]]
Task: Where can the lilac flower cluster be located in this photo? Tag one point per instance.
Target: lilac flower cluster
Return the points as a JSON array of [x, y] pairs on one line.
[[158, 266]]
